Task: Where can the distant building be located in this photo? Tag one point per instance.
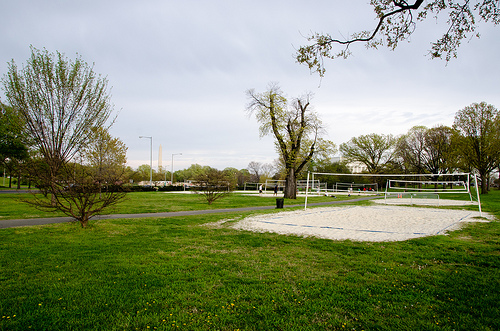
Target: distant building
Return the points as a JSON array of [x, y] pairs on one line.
[[354, 167], [357, 167]]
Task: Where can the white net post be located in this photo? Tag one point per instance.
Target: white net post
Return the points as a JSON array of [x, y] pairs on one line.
[[385, 193], [307, 190], [478, 199]]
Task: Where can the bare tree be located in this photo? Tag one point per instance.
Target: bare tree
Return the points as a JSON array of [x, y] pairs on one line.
[[267, 172], [260, 171], [426, 151], [438, 149], [214, 184], [397, 21], [411, 149], [295, 126], [255, 169], [78, 191], [60, 102]]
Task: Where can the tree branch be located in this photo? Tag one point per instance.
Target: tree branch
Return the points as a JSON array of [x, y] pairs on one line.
[[402, 7]]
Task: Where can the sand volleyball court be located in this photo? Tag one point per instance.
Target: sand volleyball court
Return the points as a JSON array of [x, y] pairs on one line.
[[377, 222]]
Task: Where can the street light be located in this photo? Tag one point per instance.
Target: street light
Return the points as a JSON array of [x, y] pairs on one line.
[[165, 169], [150, 159], [172, 172]]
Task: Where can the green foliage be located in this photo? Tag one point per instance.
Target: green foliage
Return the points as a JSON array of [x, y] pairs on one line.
[[106, 155], [478, 140], [191, 172], [13, 144], [373, 150], [334, 167], [143, 173]]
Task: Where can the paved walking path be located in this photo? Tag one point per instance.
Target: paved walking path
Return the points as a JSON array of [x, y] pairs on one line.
[[40, 221]]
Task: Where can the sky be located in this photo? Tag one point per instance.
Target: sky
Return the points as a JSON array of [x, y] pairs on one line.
[[179, 70]]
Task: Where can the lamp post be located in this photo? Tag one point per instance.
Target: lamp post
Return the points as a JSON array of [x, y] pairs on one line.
[[172, 172], [150, 159]]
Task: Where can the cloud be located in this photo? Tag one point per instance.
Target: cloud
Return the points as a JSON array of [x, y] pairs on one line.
[[179, 70]]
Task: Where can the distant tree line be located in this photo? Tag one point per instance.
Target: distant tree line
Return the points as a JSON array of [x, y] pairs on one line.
[[471, 144]]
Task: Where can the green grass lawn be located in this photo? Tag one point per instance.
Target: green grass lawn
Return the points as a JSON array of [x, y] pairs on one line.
[[11, 206], [181, 274]]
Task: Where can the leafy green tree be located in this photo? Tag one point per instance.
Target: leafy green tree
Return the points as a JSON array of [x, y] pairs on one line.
[[130, 175], [294, 125], [107, 156], [323, 155], [373, 150], [144, 172], [234, 175], [478, 129], [13, 144], [161, 175], [397, 21], [333, 168], [190, 173]]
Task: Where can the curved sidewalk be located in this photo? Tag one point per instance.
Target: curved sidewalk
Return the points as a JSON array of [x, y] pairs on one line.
[[41, 221]]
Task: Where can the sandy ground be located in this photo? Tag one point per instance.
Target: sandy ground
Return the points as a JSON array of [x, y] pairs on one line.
[[425, 202], [378, 222]]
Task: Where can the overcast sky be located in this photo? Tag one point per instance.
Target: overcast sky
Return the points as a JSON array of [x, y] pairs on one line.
[[179, 70]]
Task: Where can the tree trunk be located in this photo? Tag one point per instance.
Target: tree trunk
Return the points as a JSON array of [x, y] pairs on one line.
[[53, 190], [291, 185], [484, 182], [53, 200], [84, 221]]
